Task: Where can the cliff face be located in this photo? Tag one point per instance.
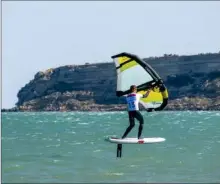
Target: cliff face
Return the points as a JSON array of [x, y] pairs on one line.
[[193, 83]]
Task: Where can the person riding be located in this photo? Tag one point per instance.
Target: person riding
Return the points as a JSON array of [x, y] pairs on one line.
[[133, 110]]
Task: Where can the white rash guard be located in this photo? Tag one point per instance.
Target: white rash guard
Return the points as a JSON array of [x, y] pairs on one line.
[[133, 101]]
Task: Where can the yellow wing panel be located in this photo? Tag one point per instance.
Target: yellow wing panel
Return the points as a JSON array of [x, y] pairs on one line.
[[123, 59], [128, 65], [152, 97]]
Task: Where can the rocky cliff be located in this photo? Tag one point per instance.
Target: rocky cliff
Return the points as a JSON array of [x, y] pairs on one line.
[[193, 83]]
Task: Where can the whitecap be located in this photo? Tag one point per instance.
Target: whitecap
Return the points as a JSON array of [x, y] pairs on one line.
[[192, 128], [77, 119], [76, 143], [55, 161], [116, 174], [159, 161], [203, 129], [83, 123], [38, 133], [55, 145], [10, 138], [15, 165], [207, 118]]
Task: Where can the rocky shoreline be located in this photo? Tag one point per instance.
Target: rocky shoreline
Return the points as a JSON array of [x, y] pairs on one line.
[[193, 83], [192, 104]]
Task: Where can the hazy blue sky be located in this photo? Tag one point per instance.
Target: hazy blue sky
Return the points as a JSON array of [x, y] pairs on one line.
[[39, 35]]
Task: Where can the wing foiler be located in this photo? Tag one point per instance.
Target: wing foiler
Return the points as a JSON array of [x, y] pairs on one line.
[[131, 70]]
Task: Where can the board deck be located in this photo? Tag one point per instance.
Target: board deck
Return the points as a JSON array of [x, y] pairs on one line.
[[135, 140]]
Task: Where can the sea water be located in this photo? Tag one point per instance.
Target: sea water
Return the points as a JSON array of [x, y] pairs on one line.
[[70, 147]]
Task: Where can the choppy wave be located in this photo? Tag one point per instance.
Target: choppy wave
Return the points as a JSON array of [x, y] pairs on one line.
[[75, 141]]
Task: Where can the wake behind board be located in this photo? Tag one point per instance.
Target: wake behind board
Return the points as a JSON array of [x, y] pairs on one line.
[[135, 140]]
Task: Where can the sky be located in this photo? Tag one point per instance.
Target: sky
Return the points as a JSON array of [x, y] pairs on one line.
[[38, 35]]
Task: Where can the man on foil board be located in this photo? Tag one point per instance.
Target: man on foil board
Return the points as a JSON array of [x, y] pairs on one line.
[[138, 82], [133, 110]]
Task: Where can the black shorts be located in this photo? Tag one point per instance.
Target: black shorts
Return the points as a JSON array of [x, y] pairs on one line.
[[137, 115]]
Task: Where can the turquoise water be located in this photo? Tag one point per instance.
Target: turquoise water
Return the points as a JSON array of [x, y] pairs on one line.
[[70, 147]]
